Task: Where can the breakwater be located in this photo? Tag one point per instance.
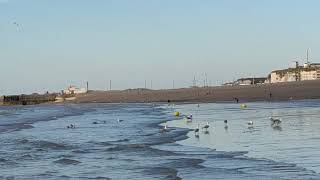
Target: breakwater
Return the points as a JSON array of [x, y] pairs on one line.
[[27, 99]]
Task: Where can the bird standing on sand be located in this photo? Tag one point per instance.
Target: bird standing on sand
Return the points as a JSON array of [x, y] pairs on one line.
[[225, 124], [189, 118], [164, 129], [275, 121], [196, 131], [71, 126], [206, 126]]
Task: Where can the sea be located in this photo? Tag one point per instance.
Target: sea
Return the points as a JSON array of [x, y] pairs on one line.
[[128, 141]]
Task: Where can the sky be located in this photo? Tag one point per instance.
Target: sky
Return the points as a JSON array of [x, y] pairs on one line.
[[48, 45]]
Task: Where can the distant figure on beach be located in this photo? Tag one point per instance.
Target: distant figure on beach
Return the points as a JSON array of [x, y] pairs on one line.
[[237, 100], [270, 95], [169, 101]]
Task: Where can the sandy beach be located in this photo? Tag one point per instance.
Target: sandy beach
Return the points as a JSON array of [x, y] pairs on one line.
[[263, 92]]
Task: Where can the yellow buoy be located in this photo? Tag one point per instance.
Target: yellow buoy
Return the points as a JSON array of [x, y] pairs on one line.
[[177, 113], [243, 106]]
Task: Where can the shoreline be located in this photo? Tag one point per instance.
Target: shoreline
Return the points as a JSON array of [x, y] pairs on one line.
[[301, 90], [221, 94]]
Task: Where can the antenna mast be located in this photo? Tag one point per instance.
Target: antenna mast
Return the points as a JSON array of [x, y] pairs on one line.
[[308, 56]]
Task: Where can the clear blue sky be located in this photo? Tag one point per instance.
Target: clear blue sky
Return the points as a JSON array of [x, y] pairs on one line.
[[57, 43]]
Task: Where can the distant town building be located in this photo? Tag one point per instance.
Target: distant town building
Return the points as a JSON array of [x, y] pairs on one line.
[[74, 90], [300, 73], [247, 81]]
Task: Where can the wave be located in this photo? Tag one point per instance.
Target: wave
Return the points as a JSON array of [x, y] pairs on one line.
[[34, 114], [2, 160], [67, 161], [141, 149], [127, 147], [42, 144], [168, 173], [81, 151]]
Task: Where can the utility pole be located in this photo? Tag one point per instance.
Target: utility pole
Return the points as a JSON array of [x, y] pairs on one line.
[[87, 86], [110, 87], [151, 84], [206, 84], [194, 81], [145, 84], [297, 71], [173, 84]]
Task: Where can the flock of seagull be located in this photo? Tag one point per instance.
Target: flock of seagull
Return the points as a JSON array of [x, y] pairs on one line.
[[275, 123], [73, 126]]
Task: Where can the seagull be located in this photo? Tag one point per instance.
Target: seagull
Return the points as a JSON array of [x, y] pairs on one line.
[[196, 131], [275, 121], [206, 126], [164, 129], [71, 126], [189, 118], [250, 123], [226, 124], [17, 25], [119, 120]]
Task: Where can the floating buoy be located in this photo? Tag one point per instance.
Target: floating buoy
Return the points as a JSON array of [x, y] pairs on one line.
[[243, 106], [176, 113]]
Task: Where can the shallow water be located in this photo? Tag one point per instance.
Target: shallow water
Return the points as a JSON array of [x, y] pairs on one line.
[[295, 141], [36, 143]]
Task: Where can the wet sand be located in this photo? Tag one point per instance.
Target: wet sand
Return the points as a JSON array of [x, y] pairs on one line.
[[265, 92]]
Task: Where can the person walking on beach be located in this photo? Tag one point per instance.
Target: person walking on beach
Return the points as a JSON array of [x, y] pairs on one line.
[[237, 100]]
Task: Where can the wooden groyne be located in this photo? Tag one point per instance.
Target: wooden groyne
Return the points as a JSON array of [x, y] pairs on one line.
[[1, 100], [27, 99]]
